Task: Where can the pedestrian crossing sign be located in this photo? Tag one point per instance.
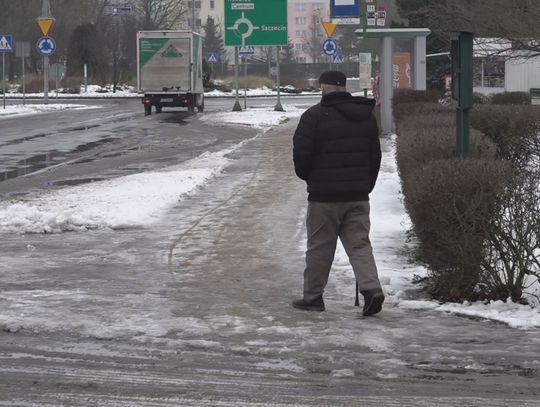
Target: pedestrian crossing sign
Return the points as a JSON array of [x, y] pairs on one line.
[[337, 59], [6, 43], [212, 58]]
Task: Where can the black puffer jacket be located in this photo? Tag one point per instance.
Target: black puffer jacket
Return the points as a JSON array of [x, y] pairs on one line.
[[337, 149]]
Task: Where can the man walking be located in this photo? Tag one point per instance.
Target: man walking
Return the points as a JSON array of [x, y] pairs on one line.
[[338, 153]]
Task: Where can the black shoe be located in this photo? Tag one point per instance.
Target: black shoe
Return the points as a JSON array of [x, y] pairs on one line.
[[315, 305], [373, 301]]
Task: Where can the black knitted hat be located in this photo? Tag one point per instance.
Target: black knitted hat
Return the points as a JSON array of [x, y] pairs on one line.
[[333, 78]]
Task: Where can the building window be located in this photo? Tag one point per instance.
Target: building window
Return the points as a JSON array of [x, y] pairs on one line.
[[301, 20], [212, 4], [300, 34], [300, 6]]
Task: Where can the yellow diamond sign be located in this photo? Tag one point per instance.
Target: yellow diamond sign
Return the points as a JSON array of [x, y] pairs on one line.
[[45, 23]]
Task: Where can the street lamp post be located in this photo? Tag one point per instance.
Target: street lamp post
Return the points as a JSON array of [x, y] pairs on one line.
[[193, 15]]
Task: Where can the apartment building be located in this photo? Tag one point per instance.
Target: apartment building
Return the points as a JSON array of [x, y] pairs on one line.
[[214, 9], [306, 33]]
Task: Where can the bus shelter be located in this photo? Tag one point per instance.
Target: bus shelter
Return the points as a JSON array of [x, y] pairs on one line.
[[418, 68]]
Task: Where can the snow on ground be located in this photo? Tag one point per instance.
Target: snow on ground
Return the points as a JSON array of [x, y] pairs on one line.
[[261, 117], [264, 91], [124, 202], [132, 200], [96, 91], [29, 109]]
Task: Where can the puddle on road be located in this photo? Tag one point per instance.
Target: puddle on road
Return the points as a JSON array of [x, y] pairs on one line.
[[176, 118], [41, 161], [74, 182]]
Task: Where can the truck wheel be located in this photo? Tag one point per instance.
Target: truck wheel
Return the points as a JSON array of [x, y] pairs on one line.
[[147, 110], [159, 109]]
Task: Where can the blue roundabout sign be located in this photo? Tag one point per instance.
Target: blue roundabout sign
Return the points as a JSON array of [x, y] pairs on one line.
[[330, 47], [46, 46]]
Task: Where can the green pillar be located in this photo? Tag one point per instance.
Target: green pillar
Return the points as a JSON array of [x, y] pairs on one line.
[[462, 87]]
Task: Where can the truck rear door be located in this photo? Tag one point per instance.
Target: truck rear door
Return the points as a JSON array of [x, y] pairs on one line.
[[165, 64]]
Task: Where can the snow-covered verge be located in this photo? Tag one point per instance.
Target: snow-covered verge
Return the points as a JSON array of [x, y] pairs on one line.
[[29, 109], [264, 91], [133, 200], [124, 202], [261, 117], [96, 91]]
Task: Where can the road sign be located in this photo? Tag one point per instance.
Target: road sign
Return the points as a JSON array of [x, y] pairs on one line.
[[330, 47], [46, 46], [22, 49], [45, 24], [213, 58], [337, 59], [381, 16], [255, 22], [345, 11], [365, 70], [246, 51], [121, 9], [329, 28], [6, 43], [57, 71]]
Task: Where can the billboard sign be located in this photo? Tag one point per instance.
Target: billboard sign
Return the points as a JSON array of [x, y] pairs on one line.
[[345, 11], [255, 22]]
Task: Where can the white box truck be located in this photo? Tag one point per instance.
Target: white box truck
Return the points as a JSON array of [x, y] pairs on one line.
[[169, 70]]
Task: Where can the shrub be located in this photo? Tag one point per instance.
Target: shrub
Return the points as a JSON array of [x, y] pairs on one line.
[[513, 129], [511, 98], [481, 99], [406, 110], [513, 243], [411, 96], [451, 203], [425, 138]]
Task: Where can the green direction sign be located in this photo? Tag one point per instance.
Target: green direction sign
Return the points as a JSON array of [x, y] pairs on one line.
[[255, 22]]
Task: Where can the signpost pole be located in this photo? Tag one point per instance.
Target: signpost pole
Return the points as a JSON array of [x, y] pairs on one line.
[[279, 107], [4, 78], [236, 107], [45, 12], [85, 78], [23, 73], [245, 82], [364, 38]]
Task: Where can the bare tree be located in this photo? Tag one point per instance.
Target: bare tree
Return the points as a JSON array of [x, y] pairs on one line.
[[515, 21], [314, 39], [160, 14]]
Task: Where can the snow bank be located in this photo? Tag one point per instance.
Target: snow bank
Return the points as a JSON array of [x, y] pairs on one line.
[[263, 117], [25, 110], [133, 200]]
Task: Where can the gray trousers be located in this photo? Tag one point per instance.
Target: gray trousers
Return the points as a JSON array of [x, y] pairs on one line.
[[326, 221]]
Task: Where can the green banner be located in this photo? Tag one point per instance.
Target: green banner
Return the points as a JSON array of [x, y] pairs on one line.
[[150, 47], [255, 22]]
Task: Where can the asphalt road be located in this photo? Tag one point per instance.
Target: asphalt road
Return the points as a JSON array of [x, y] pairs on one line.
[[194, 309], [112, 139]]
